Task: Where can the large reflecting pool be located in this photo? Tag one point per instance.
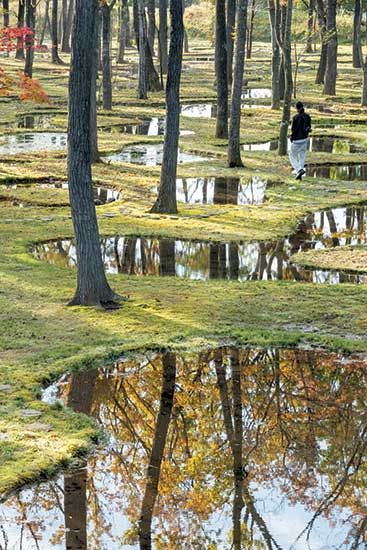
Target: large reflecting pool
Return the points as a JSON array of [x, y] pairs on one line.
[[227, 449], [37, 141], [256, 260]]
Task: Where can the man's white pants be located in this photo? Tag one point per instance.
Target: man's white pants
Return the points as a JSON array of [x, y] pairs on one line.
[[297, 154]]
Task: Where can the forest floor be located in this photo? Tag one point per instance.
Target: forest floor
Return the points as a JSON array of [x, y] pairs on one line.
[[41, 338]]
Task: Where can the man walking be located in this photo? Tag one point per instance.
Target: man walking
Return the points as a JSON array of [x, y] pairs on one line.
[[301, 127]]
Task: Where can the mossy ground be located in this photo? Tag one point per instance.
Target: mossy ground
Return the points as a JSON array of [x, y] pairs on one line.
[[41, 338]]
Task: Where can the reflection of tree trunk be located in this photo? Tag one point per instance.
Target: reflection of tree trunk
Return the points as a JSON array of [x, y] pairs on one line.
[[234, 261], [213, 261], [159, 441], [167, 257], [238, 472]]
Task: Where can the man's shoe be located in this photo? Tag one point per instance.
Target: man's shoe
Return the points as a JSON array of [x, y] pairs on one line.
[[300, 174]]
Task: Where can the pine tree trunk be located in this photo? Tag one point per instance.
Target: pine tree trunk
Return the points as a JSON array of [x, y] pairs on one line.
[[153, 83], [332, 50], [311, 9], [29, 40], [54, 34], [159, 442], [321, 17], [357, 45], [250, 33], [20, 23], [275, 64], [92, 285], [364, 89], [65, 46], [234, 145], [151, 24], [231, 21], [106, 57], [143, 82], [166, 201], [163, 36], [124, 22], [221, 70], [287, 54], [95, 157]]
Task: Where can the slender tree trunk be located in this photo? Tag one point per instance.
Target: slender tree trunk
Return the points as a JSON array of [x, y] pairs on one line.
[[92, 285], [124, 23], [332, 50], [65, 46], [357, 44], [54, 32], [221, 69], [20, 23], [364, 89], [153, 83], [163, 35], [186, 37], [106, 56], [275, 64], [234, 146], [143, 83], [45, 21], [321, 17], [287, 54], [231, 21], [151, 24], [159, 442], [311, 10], [166, 201], [282, 11], [6, 13], [29, 41], [251, 30], [95, 157]]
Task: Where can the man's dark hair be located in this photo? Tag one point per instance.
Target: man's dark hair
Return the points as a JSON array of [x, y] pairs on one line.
[[299, 106]]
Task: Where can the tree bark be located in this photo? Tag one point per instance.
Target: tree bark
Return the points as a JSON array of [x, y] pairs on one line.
[[65, 46], [153, 83], [364, 89], [221, 72], [151, 24], [357, 45], [275, 64], [287, 55], [321, 17], [46, 22], [163, 36], [166, 201], [311, 10], [29, 41], [332, 50], [250, 33], [6, 13], [159, 442], [54, 34], [92, 285], [124, 22], [143, 82], [231, 22], [234, 145], [95, 157], [20, 23], [106, 54]]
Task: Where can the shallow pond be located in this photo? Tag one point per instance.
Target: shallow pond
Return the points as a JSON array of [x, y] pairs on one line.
[[148, 127], [149, 154], [256, 260], [219, 190], [37, 141], [203, 446], [347, 172]]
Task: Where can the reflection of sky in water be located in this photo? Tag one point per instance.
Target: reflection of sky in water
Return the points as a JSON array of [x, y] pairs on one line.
[[257, 93], [149, 155], [198, 110], [38, 141], [202, 190]]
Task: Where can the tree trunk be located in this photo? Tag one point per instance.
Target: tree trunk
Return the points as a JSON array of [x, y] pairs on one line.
[[151, 24], [124, 22], [95, 157], [311, 10], [54, 34], [364, 89], [275, 64], [159, 442], [234, 146], [166, 201], [143, 83], [65, 46], [332, 50], [357, 45], [106, 57], [29, 40], [186, 37], [45, 22], [92, 285], [153, 83], [221, 70], [6, 13], [20, 23], [231, 21], [283, 15], [287, 55], [321, 17], [251, 30], [238, 473], [163, 36]]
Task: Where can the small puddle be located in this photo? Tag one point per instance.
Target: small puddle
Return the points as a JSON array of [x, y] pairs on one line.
[[38, 141], [202, 447], [203, 260], [35, 121], [316, 145], [150, 155], [102, 195], [148, 127], [199, 110], [257, 93], [219, 190]]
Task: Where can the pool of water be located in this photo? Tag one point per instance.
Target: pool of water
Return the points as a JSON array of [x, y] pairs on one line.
[[148, 127], [347, 172], [203, 260], [173, 471], [150, 154], [102, 195], [220, 190], [209, 110], [37, 141], [316, 144]]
